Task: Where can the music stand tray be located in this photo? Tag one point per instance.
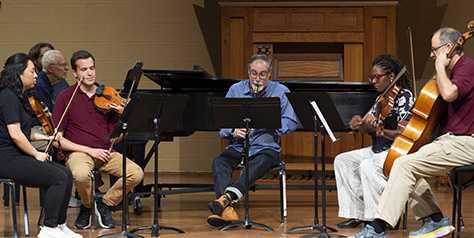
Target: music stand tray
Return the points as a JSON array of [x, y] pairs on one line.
[[308, 119], [247, 113], [145, 117]]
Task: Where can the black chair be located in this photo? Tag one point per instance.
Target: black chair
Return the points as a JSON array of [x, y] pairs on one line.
[[12, 191], [458, 185]]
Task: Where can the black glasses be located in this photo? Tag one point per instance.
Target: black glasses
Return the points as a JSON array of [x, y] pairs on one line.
[[434, 49], [375, 76], [254, 74]]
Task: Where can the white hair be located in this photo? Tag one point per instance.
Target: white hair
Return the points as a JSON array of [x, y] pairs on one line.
[[49, 58]]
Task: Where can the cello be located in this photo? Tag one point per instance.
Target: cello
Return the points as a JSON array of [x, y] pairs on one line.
[[426, 115]]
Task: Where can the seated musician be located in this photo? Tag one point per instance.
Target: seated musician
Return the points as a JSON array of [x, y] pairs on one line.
[[264, 144], [455, 146], [359, 176], [19, 159], [54, 70], [83, 130], [36, 54]]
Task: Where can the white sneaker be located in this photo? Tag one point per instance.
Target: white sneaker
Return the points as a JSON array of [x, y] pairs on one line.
[[48, 232], [68, 231]]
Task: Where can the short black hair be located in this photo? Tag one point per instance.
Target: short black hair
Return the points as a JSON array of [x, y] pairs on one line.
[[80, 54]]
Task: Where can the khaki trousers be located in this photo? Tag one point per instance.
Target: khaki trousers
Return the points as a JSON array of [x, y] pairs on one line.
[[81, 166], [408, 172]]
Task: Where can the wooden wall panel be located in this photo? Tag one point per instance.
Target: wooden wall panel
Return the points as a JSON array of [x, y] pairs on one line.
[[309, 19], [308, 67], [236, 44], [353, 63], [379, 34]]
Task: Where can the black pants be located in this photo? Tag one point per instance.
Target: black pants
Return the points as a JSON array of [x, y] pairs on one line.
[[228, 161], [54, 177]]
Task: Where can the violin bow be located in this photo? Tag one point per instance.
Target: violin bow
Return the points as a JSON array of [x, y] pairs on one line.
[[64, 114]]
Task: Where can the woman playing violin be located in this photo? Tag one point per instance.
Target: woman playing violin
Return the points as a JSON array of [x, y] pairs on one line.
[[455, 146], [359, 177], [19, 159]]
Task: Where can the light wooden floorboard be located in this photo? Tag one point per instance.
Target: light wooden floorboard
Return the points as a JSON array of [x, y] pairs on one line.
[[189, 212]]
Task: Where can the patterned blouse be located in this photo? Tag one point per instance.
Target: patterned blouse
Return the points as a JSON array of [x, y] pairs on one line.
[[399, 112]]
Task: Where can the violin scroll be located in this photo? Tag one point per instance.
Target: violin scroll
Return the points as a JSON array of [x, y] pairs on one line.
[[470, 25]]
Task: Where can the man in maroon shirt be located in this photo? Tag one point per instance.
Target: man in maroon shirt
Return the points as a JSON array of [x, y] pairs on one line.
[[455, 147], [84, 129]]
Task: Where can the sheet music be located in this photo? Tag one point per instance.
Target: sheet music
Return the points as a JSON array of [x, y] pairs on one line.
[[323, 120]]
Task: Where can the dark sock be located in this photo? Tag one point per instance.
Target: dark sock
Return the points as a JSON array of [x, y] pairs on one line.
[[436, 217], [379, 225], [233, 196]]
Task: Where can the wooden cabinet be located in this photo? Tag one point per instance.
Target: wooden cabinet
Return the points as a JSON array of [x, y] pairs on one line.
[[309, 41]]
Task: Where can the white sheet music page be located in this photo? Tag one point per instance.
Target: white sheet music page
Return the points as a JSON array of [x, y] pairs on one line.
[[323, 120]]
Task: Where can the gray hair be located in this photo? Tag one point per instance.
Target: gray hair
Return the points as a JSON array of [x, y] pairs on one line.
[[49, 58], [449, 35], [261, 57]]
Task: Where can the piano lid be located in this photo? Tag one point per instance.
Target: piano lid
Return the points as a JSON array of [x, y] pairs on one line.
[[180, 80]]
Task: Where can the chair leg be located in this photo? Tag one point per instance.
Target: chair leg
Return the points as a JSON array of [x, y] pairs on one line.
[[25, 208], [283, 201], [92, 199], [12, 191], [459, 200], [6, 195], [405, 212]]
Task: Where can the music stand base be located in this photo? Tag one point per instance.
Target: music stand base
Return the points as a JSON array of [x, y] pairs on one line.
[[122, 234], [323, 231], [155, 228], [248, 224]]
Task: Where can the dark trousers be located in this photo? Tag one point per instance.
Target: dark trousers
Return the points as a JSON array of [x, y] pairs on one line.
[[228, 161], [54, 177]]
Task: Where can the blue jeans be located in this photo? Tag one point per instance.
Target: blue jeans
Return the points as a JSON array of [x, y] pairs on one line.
[[228, 161]]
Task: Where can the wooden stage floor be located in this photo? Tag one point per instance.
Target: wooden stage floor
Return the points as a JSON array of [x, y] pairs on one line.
[[189, 212]]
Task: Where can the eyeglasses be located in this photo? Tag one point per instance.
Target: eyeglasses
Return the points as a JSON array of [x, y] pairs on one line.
[[254, 74], [434, 49], [63, 65], [375, 76]]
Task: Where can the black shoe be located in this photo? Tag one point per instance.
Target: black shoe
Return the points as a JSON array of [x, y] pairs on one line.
[[103, 214], [83, 221], [351, 223]]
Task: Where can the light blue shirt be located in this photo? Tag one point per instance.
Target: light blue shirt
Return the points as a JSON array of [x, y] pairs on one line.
[[261, 139]]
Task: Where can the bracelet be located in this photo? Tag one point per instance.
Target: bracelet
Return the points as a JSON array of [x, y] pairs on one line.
[[232, 132]]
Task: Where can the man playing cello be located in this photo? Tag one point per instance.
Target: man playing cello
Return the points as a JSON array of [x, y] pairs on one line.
[[453, 148]]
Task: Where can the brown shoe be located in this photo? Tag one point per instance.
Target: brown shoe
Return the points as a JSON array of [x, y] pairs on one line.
[[217, 206], [228, 216]]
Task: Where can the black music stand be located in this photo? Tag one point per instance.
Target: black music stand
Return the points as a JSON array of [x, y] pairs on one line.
[[145, 117], [327, 118], [247, 113]]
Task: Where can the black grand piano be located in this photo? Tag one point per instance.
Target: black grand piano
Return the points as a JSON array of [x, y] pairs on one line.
[[349, 98]]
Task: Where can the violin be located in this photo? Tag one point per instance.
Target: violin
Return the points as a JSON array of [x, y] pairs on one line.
[[41, 113], [108, 99], [426, 115], [385, 101]]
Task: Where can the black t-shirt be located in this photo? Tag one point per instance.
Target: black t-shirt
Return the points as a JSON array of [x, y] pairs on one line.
[[11, 110]]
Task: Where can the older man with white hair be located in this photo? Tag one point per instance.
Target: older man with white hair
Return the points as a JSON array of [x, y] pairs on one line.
[[49, 83]]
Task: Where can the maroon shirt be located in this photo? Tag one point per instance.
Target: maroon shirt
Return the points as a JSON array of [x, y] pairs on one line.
[[460, 115], [83, 124]]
